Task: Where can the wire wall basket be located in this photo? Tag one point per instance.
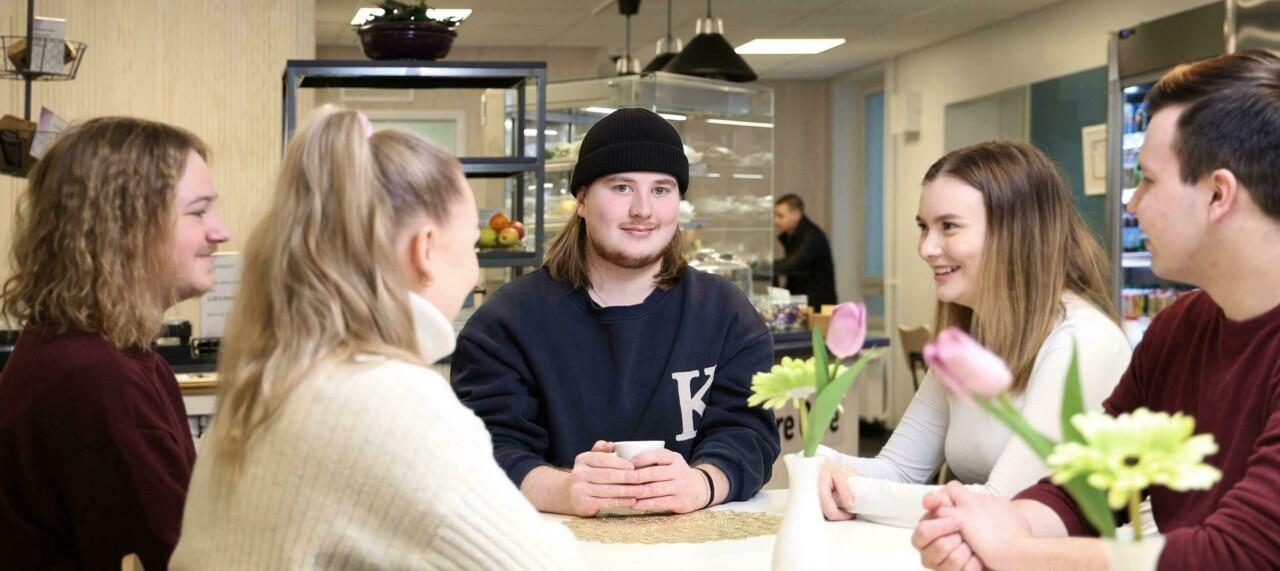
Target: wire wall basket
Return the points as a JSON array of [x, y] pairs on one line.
[[50, 65]]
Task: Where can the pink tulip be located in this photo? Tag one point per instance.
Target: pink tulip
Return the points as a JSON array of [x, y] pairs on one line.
[[847, 330], [965, 366]]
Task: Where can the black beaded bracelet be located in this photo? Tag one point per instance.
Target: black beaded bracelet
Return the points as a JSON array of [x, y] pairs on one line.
[[711, 487]]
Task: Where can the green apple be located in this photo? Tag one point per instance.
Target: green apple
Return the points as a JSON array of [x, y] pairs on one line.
[[488, 237]]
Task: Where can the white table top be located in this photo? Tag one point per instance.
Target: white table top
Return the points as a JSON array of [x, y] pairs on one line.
[[855, 545]]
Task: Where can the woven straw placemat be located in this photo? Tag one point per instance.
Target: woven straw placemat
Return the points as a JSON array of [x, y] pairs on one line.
[[697, 527]]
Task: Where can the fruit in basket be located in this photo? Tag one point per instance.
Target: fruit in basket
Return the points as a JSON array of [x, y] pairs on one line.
[[499, 221], [519, 226], [508, 236], [488, 238]]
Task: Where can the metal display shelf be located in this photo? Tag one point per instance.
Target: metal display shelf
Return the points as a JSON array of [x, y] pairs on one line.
[[409, 74], [497, 167]]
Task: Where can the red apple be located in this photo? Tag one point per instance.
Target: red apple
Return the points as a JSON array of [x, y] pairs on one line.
[[508, 236], [519, 226], [499, 221]]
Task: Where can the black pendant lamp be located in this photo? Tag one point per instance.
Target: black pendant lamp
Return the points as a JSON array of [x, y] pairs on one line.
[[668, 47], [710, 55], [627, 65]]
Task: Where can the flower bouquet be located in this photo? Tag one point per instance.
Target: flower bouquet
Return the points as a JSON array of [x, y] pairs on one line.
[[795, 380], [1103, 462], [802, 543]]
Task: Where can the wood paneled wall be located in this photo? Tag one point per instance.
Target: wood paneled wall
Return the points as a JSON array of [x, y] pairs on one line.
[[802, 146], [211, 67]]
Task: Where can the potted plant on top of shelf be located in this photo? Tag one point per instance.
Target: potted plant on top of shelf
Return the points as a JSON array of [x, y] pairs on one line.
[[405, 31]]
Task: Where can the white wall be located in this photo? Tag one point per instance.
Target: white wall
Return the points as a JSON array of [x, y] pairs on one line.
[[1064, 38]]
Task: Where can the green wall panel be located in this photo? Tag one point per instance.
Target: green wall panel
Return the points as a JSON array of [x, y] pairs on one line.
[[1060, 107]]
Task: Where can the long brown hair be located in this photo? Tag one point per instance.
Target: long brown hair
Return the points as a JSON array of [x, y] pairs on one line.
[[92, 231], [566, 259], [1037, 247], [322, 279]]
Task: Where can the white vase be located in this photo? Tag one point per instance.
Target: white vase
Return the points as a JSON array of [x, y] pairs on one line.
[[1125, 554], [802, 543]]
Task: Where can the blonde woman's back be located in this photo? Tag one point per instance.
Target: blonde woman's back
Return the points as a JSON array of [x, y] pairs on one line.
[[373, 463]]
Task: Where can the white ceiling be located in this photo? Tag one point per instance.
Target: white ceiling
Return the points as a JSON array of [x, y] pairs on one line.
[[875, 29]]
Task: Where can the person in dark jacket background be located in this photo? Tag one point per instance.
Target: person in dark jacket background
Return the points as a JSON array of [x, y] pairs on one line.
[[115, 226], [807, 266], [616, 338]]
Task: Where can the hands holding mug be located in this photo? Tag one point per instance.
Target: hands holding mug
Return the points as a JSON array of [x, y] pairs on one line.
[[640, 475]]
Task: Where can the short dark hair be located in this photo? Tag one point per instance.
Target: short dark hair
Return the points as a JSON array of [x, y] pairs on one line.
[[1232, 120], [792, 201]]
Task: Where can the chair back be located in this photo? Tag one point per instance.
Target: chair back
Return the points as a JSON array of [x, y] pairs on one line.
[[913, 340]]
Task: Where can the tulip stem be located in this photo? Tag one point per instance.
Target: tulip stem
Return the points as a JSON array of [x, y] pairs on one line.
[[1135, 515], [1008, 402], [801, 406]]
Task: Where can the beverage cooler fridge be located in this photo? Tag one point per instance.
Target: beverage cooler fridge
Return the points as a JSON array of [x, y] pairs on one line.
[[1138, 57]]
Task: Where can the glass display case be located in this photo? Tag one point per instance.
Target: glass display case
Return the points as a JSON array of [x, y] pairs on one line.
[[727, 129]]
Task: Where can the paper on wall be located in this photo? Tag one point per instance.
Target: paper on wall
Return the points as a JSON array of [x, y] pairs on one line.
[[46, 131], [48, 44], [216, 304]]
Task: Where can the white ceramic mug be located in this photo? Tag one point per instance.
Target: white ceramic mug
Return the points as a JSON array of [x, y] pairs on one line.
[[628, 449]]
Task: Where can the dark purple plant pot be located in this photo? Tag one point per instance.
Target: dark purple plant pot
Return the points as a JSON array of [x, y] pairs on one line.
[[406, 40]]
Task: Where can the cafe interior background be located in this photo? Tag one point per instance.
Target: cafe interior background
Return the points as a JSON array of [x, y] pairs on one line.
[[851, 130]]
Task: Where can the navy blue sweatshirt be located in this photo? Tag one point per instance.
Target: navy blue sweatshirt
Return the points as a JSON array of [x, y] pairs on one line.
[[550, 372]]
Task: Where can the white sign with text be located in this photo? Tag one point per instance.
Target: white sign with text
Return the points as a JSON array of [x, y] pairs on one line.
[[216, 304]]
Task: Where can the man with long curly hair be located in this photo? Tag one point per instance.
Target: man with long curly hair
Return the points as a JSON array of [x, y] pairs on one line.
[[115, 226]]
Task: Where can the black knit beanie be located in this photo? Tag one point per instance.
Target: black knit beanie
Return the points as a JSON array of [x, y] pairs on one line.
[[632, 139]]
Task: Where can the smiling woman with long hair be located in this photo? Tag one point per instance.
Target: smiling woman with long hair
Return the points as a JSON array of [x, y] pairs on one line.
[[1017, 269], [334, 445]]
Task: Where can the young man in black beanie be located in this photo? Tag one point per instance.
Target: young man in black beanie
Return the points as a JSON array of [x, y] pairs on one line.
[[616, 339]]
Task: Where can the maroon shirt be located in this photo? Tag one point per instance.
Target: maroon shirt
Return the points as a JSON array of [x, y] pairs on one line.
[[95, 455], [1227, 375]]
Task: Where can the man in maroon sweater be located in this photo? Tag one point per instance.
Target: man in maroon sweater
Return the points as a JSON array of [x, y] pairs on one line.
[[116, 226], [1210, 205]]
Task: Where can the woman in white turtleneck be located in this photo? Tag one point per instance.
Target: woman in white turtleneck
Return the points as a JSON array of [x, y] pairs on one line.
[[1015, 267], [334, 444]]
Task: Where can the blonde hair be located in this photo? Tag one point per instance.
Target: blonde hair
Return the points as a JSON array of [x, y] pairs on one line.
[[321, 279], [1037, 247], [566, 258], [92, 231]]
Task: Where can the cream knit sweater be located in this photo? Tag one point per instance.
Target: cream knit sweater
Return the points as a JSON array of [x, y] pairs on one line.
[[372, 463]]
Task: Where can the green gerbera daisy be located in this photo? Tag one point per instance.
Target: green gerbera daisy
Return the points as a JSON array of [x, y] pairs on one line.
[[1128, 454], [791, 380]]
